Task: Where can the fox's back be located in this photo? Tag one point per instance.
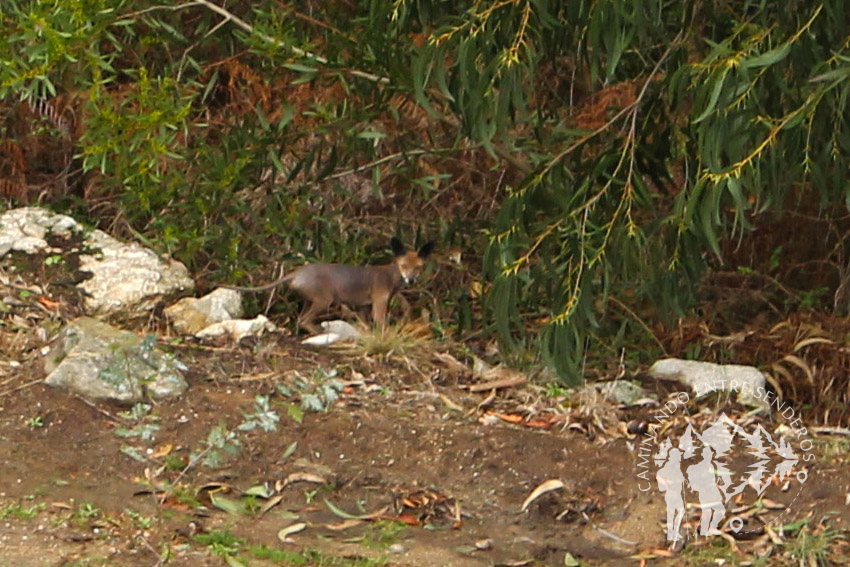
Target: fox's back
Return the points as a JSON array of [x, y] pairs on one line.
[[352, 285]]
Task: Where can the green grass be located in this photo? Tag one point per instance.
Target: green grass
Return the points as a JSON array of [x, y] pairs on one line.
[[714, 552], [382, 534], [21, 512], [812, 545], [238, 551]]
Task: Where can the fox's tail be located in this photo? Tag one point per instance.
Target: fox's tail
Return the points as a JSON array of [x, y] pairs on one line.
[[271, 285]]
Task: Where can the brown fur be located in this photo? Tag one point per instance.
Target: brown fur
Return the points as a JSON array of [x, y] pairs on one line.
[[323, 285]]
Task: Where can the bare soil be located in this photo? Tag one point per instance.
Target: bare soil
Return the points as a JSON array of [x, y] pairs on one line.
[[399, 444]]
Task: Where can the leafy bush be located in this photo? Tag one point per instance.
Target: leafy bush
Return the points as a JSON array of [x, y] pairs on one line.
[[625, 145]]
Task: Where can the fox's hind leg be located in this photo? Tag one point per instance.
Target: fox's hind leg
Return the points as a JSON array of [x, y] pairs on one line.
[[318, 305]]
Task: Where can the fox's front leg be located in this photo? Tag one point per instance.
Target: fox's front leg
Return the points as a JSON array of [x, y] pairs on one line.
[[379, 309]]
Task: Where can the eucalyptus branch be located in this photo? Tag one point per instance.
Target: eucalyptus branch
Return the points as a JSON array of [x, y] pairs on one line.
[[229, 16], [296, 50], [628, 150]]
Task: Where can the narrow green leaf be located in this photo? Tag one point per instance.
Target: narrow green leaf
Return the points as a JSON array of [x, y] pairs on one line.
[[297, 67], [715, 94], [767, 58], [371, 135], [343, 514], [226, 504], [289, 450], [233, 562], [839, 74]]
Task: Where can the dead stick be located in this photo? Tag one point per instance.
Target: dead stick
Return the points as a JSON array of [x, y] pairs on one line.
[[21, 387], [499, 384]]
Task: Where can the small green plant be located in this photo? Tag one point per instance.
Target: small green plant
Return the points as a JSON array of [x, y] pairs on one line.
[[834, 450], [88, 511], [263, 416], [186, 495], [146, 426], [144, 431], [382, 534], [221, 542], [277, 556], [140, 521], [318, 392], [324, 397], [134, 453], [555, 390], [35, 422], [220, 443], [53, 260], [21, 512], [85, 515], [136, 413], [174, 463], [812, 298], [774, 261]]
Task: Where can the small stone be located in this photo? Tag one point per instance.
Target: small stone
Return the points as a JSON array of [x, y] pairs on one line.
[[190, 315]]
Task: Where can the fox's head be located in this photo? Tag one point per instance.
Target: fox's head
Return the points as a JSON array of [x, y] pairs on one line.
[[410, 264]]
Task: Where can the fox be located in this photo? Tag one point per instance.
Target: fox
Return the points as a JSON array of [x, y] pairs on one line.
[[323, 285]]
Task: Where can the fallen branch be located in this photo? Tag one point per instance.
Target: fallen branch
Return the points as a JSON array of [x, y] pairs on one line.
[[499, 384], [21, 387]]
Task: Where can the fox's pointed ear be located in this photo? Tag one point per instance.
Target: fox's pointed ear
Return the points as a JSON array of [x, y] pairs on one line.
[[397, 247], [426, 250]]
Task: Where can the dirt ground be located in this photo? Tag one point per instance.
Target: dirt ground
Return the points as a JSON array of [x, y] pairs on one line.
[[431, 476]]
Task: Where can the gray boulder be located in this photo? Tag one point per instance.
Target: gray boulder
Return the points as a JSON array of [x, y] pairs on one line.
[[101, 362], [707, 377]]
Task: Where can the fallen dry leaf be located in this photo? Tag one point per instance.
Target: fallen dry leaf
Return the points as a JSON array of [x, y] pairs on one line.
[[162, 451], [542, 488], [304, 477], [271, 503], [509, 417], [344, 525], [283, 534], [49, 303]]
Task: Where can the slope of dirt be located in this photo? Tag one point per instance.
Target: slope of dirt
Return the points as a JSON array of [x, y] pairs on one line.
[[395, 445]]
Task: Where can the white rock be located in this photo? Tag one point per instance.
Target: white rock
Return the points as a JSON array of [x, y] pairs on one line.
[[25, 229], [191, 315], [707, 377], [127, 279], [323, 339], [342, 328], [237, 329], [335, 331], [618, 391]]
